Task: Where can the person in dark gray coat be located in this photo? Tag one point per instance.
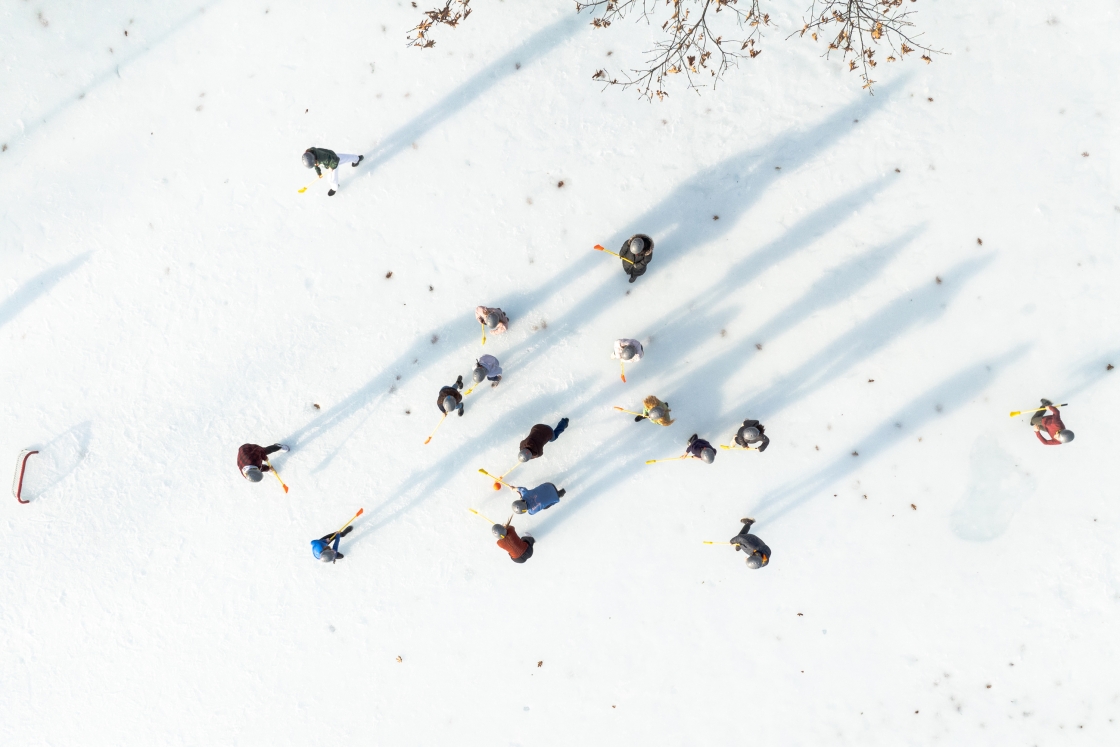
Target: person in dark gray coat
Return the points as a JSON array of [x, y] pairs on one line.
[[636, 253], [758, 554], [752, 435]]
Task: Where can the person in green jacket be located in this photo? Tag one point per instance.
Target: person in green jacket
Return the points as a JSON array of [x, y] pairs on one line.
[[321, 158]]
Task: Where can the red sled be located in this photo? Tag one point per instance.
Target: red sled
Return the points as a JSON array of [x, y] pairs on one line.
[[17, 479]]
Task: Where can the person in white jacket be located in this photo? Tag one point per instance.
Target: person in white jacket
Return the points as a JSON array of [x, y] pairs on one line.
[[487, 367], [627, 350]]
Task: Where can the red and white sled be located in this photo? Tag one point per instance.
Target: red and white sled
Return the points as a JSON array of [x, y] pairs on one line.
[[17, 479]]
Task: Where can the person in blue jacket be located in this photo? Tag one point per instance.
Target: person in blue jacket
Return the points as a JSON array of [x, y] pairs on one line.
[[323, 550], [537, 499]]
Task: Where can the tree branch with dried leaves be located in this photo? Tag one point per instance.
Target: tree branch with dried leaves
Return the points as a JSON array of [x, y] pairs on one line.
[[856, 27], [711, 36], [437, 17], [694, 40]]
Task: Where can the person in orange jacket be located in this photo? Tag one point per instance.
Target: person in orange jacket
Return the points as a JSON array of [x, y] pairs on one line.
[[520, 549]]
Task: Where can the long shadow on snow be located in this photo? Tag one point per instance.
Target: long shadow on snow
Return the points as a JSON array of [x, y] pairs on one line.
[[1086, 375], [710, 410], [682, 221], [535, 46], [37, 286], [681, 215], [423, 481], [107, 74], [682, 330], [456, 337], [938, 401], [907, 311], [602, 471]]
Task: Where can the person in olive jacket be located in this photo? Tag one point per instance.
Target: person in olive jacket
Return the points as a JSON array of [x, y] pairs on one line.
[[636, 253], [321, 158]]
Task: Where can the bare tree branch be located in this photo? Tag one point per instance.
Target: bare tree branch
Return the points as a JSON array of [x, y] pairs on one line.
[[435, 17], [693, 37], [694, 40], [862, 25]]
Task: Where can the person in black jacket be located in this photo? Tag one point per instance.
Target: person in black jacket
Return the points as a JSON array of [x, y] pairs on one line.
[[636, 253], [321, 158], [758, 554], [752, 435], [450, 399]]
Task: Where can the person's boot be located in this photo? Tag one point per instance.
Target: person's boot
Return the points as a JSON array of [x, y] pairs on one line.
[[339, 556], [747, 523], [459, 382], [283, 448], [331, 193], [347, 530], [1046, 402], [560, 493], [639, 418], [360, 159], [461, 410], [693, 438], [633, 278]]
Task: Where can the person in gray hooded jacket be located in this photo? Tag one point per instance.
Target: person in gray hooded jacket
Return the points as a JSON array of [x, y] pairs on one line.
[[758, 554], [752, 435], [636, 253]]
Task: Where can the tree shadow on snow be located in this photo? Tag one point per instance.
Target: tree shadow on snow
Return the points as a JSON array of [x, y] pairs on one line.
[[537, 45]]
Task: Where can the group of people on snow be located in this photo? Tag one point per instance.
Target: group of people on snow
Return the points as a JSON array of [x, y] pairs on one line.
[[636, 254]]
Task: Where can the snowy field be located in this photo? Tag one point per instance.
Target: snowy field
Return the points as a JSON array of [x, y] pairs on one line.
[[938, 577]]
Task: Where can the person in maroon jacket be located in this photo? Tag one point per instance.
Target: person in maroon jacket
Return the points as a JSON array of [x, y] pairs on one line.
[[251, 460], [520, 549], [1052, 424]]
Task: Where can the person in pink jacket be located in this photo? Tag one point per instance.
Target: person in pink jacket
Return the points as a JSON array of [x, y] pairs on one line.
[[494, 319]]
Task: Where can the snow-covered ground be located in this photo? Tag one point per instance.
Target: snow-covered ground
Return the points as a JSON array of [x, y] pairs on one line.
[[166, 295]]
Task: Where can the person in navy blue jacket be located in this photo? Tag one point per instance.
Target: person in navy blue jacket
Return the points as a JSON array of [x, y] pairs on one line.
[[323, 550], [700, 449], [538, 499]]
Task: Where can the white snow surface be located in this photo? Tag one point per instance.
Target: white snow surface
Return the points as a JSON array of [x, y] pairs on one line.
[[166, 295]]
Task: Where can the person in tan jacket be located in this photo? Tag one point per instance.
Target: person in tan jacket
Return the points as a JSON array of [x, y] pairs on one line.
[[655, 411]]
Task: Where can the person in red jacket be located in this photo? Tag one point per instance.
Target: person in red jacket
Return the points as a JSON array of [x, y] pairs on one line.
[[1052, 424], [520, 549], [251, 460]]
